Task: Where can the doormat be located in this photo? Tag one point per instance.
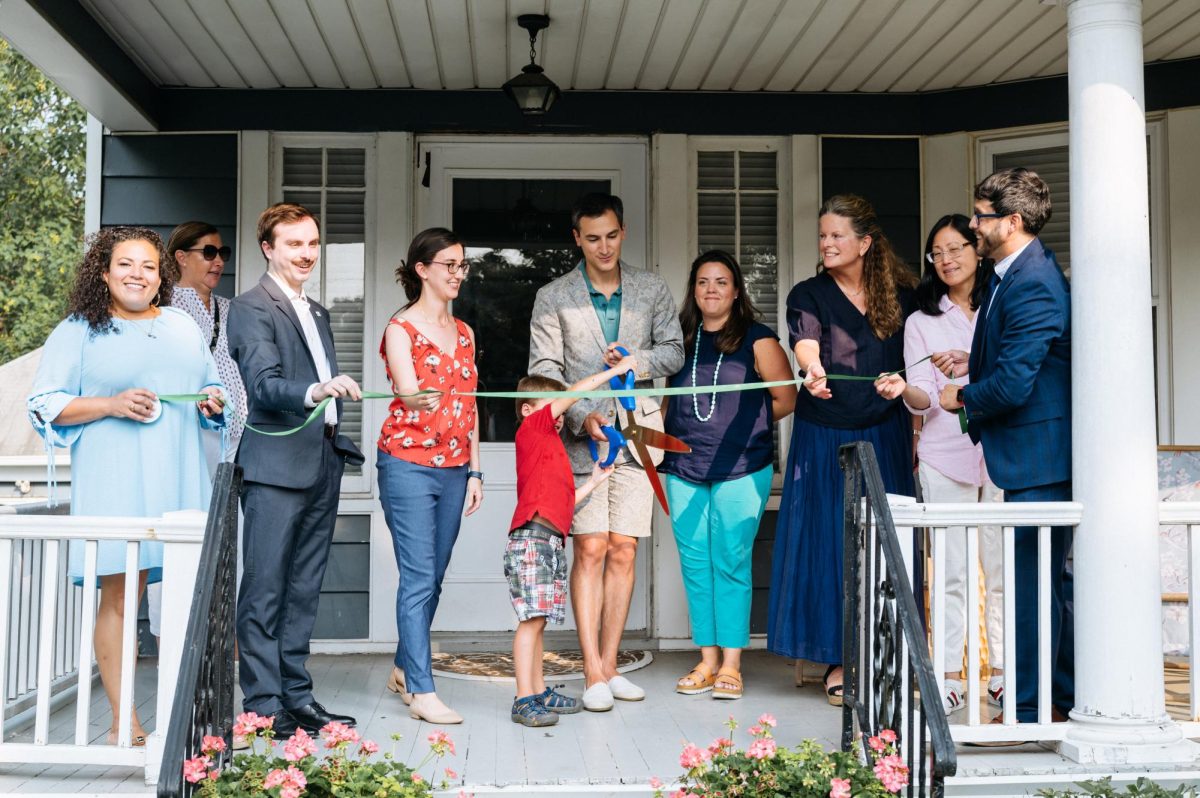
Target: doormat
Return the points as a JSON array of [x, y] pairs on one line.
[[1177, 683], [493, 666]]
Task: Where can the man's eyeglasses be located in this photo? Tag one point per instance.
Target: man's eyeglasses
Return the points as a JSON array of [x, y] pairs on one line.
[[455, 268], [211, 252], [978, 216], [945, 254]]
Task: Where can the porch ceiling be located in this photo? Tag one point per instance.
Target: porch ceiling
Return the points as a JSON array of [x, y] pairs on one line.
[[684, 45]]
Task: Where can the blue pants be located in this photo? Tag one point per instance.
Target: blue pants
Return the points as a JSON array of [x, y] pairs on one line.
[[715, 525], [1062, 620], [423, 507]]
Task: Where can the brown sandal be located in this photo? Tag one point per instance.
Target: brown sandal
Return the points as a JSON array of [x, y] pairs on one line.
[[699, 685], [731, 676]]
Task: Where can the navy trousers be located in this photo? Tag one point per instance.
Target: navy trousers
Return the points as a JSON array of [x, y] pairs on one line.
[[1062, 620]]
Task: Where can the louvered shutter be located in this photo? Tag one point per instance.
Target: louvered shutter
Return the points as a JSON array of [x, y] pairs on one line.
[[1051, 164], [331, 182]]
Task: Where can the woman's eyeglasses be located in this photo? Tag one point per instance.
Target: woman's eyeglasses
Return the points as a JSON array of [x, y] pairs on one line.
[[455, 268], [211, 252], [945, 254]]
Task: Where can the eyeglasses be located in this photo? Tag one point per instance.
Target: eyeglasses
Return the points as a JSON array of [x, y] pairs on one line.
[[455, 268], [977, 216], [211, 252], [946, 254]]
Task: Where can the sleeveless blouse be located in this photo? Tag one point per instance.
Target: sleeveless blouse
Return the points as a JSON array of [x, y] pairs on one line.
[[441, 438]]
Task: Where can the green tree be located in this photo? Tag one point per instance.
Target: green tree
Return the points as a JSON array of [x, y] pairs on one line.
[[42, 162]]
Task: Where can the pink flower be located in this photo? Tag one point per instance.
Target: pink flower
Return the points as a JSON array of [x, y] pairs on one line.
[[245, 726], [416, 778], [754, 731], [888, 736], [338, 733], [440, 742], [767, 719], [839, 788], [213, 775], [367, 748], [212, 745], [298, 746], [450, 774], [291, 781], [263, 721], [196, 769], [275, 778], [877, 744], [465, 794], [654, 782], [892, 771], [290, 791], [720, 745], [693, 757], [762, 748]]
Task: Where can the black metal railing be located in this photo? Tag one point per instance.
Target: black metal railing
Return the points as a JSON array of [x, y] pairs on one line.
[[203, 702], [889, 678]]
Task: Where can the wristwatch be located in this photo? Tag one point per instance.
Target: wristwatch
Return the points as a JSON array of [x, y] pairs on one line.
[[477, 474], [959, 397]]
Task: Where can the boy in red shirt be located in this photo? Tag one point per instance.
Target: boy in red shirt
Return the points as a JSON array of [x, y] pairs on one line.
[[535, 562]]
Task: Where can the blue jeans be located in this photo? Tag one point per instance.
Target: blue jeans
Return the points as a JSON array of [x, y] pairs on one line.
[[423, 507]]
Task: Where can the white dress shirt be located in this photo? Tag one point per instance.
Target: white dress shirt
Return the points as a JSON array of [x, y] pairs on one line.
[[312, 337], [1001, 268]]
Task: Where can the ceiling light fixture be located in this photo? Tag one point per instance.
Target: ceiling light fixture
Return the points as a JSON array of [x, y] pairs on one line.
[[532, 91]]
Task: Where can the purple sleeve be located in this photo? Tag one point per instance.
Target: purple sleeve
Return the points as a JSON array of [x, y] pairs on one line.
[[803, 319]]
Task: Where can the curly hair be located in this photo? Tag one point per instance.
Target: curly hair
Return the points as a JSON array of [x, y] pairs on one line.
[[89, 296], [883, 271]]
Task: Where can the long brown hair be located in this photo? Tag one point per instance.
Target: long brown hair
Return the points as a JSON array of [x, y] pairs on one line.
[[883, 271], [741, 315], [89, 296], [424, 248]]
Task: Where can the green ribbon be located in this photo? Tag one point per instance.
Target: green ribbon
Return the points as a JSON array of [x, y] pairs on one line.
[[319, 410]]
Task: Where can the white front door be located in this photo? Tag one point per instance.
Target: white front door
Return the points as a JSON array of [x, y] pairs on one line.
[[509, 200]]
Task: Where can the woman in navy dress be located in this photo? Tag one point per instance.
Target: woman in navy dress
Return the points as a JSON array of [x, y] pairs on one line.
[[849, 319]]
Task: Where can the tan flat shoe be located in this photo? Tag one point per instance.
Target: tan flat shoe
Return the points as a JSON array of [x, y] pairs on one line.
[[699, 680], [429, 708], [396, 685], [728, 676]]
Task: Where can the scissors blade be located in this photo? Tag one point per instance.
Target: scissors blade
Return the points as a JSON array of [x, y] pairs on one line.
[[651, 474], [659, 440]]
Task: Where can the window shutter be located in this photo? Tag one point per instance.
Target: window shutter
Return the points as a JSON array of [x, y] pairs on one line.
[[1051, 164]]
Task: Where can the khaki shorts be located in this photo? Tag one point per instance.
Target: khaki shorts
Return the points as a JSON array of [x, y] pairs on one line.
[[622, 503]]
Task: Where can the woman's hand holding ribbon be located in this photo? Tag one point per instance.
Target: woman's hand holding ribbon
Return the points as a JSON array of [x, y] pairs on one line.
[[952, 363], [815, 382], [889, 386], [214, 405]]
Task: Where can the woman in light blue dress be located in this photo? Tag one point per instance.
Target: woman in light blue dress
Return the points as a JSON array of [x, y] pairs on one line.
[[96, 391]]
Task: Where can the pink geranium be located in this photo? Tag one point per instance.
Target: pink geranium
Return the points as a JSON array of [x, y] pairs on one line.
[[368, 748], [762, 748], [298, 746], [338, 733], [877, 744], [654, 782], [440, 742], [839, 788], [196, 769], [693, 757], [212, 745], [720, 745], [892, 772], [291, 782], [754, 731], [450, 774], [767, 719], [888, 736]]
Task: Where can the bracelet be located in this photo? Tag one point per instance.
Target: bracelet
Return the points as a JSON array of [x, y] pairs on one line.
[[916, 432], [476, 474]]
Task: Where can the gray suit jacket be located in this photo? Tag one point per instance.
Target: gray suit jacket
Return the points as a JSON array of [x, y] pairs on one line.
[[267, 341], [566, 343]]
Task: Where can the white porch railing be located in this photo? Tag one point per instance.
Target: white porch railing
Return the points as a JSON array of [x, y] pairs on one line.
[[55, 639], [944, 519]]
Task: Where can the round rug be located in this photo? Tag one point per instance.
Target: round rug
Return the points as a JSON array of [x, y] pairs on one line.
[[494, 666]]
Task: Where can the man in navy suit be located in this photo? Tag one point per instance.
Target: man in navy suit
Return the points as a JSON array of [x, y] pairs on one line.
[[283, 344], [1018, 404]]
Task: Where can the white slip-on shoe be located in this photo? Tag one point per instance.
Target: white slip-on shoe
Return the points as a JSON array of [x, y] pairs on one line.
[[995, 690], [625, 690], [598, 698], [952, 696]]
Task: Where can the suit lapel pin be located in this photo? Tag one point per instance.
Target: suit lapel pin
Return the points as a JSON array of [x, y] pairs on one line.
[[316, 313]]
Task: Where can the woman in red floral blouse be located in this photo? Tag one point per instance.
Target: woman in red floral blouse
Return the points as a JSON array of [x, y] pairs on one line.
[[428, 455]]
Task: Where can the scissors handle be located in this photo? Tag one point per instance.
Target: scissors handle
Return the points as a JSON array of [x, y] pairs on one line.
[[616, 442], [624, 383]]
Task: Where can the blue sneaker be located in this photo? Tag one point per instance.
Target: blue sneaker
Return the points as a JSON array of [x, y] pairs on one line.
[[528, 711], [558, 703]]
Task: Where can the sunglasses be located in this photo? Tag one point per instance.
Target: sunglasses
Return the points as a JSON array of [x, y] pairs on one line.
[[211, 252]]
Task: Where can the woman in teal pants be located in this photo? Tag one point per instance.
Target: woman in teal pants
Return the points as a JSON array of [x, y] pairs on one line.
[[719, 490]]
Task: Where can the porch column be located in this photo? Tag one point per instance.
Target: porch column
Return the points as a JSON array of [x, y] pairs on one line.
[[1119, 714]]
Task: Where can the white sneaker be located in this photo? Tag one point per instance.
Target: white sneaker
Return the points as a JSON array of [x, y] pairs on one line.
[[598, 698], [625, 690], [995, 690], [952, 696]]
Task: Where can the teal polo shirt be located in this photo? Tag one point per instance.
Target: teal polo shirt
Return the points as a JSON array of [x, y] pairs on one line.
[[608, 309]]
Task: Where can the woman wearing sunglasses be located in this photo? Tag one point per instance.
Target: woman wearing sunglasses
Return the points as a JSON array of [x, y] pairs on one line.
[[197, 251]]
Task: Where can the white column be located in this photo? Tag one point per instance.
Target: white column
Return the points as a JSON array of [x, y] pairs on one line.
[[1119, 714]]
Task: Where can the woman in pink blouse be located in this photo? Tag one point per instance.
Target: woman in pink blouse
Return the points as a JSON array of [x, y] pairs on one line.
[[954, 286]]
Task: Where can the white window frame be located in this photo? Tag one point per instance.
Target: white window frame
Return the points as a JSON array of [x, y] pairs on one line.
[[989, 145], [360, 485], [781, 146]]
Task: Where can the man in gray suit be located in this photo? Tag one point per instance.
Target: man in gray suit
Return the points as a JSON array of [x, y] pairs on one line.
[[578, 321], [283, 345]]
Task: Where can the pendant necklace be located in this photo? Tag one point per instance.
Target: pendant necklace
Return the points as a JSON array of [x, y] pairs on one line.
[[712, 405], [135, 323]]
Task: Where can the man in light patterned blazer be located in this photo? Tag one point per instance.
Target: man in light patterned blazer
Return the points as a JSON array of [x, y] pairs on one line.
[[578, 321]]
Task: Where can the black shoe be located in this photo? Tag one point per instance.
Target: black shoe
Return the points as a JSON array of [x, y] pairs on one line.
[[285, 724], [314, 717]]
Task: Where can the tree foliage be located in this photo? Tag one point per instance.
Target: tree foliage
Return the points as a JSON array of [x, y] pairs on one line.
[[42, 163]]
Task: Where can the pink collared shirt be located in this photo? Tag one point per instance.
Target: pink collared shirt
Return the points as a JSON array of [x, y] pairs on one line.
[[943, 445]]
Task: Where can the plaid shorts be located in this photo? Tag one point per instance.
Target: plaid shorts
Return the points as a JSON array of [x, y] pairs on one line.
[[535, 564]]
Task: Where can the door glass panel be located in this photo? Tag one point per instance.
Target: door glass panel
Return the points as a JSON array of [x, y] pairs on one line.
[[518, 238]]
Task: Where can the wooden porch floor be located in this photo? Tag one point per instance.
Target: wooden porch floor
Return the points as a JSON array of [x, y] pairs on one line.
[[613, 753]]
